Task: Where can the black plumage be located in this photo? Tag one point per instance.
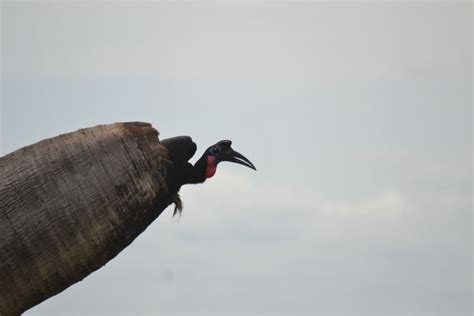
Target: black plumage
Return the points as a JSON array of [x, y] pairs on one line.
[[181, 172], [180, 147]]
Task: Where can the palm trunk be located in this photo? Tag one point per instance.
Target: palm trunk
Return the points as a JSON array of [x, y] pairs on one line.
[[71, 203]]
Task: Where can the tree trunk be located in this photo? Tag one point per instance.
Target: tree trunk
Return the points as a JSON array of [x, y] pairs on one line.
[[71, 203]]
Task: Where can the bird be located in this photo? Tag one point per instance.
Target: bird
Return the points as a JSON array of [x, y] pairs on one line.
[[181, 171]]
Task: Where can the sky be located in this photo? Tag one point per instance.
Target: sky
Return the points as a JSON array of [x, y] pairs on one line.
[[357, 115]]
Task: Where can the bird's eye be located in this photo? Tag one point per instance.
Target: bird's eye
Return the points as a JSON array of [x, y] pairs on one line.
[[215, 150]]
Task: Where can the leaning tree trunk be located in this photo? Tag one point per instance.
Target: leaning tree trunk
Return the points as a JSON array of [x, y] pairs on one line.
[[71, 203]]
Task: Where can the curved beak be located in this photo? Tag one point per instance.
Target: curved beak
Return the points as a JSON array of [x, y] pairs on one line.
[[236, 157]]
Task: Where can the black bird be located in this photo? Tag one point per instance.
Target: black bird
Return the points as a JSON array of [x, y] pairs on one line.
[[181, 149]]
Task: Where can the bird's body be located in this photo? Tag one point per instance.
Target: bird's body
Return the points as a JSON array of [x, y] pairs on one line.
[[180, 149]]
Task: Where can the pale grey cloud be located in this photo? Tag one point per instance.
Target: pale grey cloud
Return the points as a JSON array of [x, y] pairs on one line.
[[219, 41]]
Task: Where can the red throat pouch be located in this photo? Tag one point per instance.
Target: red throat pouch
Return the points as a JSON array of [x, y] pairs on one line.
[[211, 166]]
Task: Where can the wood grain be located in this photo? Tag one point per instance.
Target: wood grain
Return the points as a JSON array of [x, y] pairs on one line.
[[71, 203]]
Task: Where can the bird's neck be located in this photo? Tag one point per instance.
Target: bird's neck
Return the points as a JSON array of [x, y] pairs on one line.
[[211, 166], [199, 170], [188, 174]]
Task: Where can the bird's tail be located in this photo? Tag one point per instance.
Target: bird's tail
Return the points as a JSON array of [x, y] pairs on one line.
[[178, 204]]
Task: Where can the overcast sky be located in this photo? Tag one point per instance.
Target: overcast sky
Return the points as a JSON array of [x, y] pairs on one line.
[[357, 115]]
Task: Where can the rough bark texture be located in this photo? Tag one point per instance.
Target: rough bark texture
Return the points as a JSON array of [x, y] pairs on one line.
[[71, 203]]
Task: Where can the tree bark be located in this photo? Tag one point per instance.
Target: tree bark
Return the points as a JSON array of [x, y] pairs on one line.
[[71, 203]]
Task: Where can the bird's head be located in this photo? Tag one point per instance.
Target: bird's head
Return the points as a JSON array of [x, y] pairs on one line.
[[222, 151]]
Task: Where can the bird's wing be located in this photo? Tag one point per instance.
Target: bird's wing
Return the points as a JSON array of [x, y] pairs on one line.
[[181, 148]]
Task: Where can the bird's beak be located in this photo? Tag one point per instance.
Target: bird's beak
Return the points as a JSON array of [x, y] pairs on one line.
[[236, 157]]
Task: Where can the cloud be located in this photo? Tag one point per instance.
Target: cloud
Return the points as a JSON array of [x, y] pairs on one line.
[[236, 41], [379, 216]]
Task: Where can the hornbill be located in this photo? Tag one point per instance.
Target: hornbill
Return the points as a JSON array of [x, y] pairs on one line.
[[181, 149]]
